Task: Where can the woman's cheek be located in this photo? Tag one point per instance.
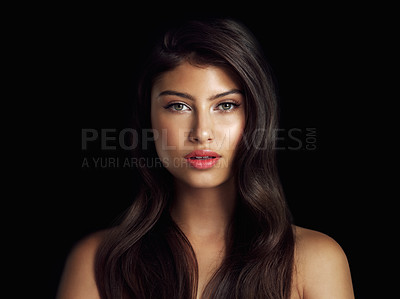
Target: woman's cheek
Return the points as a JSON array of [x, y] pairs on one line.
[[170, 138], [230, 133]]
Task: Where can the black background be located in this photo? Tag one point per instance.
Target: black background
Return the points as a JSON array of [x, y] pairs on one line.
[[320, 56]]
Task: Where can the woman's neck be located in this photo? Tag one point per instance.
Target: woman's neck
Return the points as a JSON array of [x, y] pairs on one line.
[[204, 213]]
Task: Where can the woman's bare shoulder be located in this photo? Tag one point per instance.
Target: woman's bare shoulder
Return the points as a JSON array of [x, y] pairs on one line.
[[89, 244], [307, 239], [78, 280], [321, 266]]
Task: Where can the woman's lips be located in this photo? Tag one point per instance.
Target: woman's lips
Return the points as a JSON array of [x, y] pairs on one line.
[[202, 159]]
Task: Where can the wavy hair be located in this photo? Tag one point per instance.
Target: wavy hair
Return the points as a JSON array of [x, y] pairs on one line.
[[146, 255]]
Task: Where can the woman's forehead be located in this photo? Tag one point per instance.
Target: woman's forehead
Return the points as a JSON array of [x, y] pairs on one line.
[[203, 80]]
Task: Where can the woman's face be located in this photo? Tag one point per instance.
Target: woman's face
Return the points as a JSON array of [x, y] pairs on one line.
[[198, 117]]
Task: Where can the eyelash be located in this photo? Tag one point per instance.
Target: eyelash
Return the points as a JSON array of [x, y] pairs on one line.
[[234, 104]]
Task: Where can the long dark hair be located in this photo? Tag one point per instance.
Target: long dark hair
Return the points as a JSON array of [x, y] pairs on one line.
[[147, 255]]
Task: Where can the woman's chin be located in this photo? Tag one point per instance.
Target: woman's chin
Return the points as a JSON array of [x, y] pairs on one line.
[[202, 180]]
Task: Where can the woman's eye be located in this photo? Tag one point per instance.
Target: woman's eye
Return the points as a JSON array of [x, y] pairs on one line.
[[227, 106], [177, 107]]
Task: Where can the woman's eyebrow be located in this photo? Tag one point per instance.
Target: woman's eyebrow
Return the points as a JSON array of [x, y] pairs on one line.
[[223, 94], [192, 98], [176, 93]]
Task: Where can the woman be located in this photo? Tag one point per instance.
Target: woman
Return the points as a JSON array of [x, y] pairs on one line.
[[210, 219]]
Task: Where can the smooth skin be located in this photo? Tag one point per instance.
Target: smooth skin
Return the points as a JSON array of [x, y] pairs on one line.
[[201, 107]]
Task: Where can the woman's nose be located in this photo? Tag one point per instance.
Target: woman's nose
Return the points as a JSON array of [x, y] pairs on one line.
[[202, 130]]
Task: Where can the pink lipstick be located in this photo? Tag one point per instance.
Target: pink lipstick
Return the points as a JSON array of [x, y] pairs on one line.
[[202, 159]]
